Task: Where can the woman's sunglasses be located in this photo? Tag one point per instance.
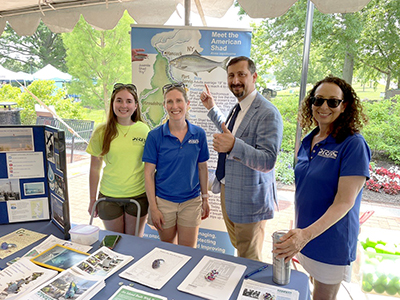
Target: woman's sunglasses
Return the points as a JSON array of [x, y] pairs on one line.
[[173, 85], [332, 103], [128, 86]]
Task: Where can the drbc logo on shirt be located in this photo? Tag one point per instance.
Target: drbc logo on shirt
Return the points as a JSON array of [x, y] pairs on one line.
[[139, 140], [193, 141], [327, 153]]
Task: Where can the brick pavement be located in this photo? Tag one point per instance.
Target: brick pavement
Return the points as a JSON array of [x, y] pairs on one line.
[[385, 217]]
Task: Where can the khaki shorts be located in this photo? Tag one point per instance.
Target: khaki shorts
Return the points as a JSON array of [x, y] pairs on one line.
[[187, 214], [112, 210]]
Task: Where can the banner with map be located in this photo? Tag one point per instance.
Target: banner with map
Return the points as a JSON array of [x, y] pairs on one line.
[[195, 56]]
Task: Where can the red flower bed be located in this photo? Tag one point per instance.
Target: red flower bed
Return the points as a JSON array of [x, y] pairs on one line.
[[384, 180]]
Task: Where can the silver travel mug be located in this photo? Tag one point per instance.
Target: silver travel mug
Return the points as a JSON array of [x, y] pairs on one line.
[[281, 270]]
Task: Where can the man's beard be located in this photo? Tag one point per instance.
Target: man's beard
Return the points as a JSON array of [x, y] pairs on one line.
[[237, 94]]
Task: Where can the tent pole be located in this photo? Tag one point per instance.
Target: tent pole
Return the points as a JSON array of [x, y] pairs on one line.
[[187, 12], [304, 71]]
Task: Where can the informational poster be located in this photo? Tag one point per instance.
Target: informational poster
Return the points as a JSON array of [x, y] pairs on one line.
[[33, 175], [195, 56]]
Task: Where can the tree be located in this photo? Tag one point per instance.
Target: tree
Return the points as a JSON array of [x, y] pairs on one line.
[[30, 53], [279, 43], [380, 41], [97, 60]]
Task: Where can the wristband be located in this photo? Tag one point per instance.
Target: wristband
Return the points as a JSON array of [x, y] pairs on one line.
[[205, 196]]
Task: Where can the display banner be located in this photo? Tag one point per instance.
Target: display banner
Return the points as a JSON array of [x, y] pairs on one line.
[[195, 56], [33, 176]]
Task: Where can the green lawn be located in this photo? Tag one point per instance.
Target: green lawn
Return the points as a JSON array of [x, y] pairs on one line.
[[96, 115], [362, 92]]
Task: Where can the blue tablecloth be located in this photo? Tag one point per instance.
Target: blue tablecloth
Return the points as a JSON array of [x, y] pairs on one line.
[[138, 247]]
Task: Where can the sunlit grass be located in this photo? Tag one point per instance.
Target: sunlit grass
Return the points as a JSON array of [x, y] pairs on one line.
[[96, 115], [369, 93]]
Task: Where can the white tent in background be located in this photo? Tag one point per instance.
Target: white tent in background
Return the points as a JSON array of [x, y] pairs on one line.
[[51, 73], [7, 74], [23, 76]]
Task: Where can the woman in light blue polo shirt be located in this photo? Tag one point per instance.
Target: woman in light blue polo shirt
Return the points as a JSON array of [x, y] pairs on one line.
[[176, 174], [333, 164]]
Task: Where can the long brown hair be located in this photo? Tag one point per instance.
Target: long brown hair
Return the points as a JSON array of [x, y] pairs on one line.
[[348, 123], [110, 128]]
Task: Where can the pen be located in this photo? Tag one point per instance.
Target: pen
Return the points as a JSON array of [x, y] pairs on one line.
[[255, 271]]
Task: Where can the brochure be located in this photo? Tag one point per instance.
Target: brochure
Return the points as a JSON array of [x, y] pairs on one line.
[[155, 268], [19, 239], [102, 263], [251, 290], [22, 277], [213, 278], [59, 258], [126, 292], [83, 280], [51, 241], [68, 285]]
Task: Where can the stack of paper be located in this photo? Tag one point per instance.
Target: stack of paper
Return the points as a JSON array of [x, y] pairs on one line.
[[85, 279], [22, 277], [155, 268], [251, 290], [213, 278]]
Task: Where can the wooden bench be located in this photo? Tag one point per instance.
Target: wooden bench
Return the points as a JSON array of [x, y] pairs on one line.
[[82, 127]]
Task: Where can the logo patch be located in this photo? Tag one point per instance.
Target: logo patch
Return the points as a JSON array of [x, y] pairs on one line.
[[194, 141], [139, 139], [328, 153]]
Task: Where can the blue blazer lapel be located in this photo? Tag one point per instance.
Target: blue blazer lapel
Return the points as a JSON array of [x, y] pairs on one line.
[[248, 116]]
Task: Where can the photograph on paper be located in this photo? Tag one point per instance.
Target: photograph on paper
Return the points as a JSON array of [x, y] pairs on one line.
[[33, 188], [16, 139], [9, 189]]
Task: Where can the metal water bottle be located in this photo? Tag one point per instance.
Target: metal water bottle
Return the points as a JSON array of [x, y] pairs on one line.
[[281, 270]]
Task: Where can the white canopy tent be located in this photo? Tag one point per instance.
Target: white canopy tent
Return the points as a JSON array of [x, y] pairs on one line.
[[10, 75], [62, 15], [6, 74], [51, 73]]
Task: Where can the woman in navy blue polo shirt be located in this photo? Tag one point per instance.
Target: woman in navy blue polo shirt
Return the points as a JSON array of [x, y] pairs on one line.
[[176, 174], [333, 165]]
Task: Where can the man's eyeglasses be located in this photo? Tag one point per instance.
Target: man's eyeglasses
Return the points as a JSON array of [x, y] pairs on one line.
[[128, 86], [173, 85], [332, 103]]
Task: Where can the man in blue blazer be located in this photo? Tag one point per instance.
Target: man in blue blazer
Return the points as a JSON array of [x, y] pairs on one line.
[[248, 187]]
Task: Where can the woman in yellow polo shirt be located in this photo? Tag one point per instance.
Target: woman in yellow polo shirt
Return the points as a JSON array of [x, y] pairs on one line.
[[119, 144]]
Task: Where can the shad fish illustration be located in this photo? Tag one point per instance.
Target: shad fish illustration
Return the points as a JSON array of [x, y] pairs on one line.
[[196, 63]]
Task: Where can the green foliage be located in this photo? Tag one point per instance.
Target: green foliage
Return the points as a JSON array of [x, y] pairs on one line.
[[380, 40], [284, 171], [9, 93], [277, 44], [97, 60], [364, 42], [31, 53], [288, 107], [47, 92], [382, 132]]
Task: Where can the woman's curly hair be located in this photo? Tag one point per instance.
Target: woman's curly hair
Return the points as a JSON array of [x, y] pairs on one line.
[[348, 123]]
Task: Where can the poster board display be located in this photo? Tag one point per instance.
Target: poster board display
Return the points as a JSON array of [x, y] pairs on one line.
[[195, 56], [33, 176]]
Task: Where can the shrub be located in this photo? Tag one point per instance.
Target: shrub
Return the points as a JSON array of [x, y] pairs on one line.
[[284, 171], [382, 132], [288, 107], [46, 91]]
